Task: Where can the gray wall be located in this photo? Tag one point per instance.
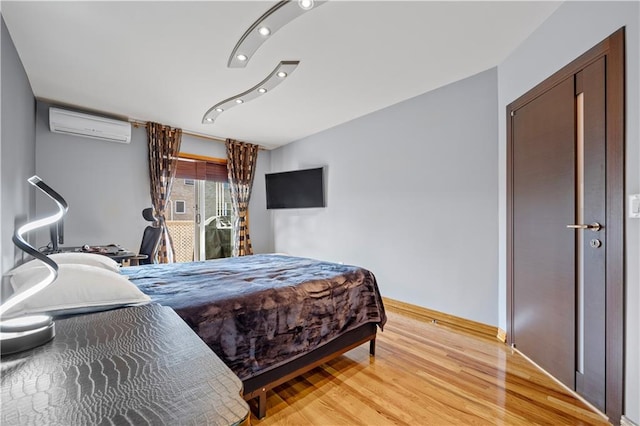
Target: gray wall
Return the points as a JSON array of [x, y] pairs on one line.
[[17, 149], [107, 185], [411, 195], [570, 31]]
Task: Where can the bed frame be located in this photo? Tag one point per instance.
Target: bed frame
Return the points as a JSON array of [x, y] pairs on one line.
[[255, 388]]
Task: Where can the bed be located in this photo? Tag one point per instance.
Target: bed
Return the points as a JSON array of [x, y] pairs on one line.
[[269, 317]]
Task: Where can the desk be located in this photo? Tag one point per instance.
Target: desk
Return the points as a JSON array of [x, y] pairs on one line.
[[137, 365], [114, 252]]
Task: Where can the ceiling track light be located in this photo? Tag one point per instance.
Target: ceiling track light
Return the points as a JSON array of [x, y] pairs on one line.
[[277, 76], [271, 21]]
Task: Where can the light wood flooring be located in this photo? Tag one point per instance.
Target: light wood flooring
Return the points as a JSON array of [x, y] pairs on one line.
[[425, 374]]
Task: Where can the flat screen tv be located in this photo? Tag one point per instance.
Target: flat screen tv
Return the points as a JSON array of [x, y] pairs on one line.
[[295, 190]]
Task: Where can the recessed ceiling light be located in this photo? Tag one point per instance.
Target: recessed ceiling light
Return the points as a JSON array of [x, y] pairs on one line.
[[282, 74], [239, 101], [242, 57], [305, 4], [219, 110], [262, 90], [264, 31], [209, 119]]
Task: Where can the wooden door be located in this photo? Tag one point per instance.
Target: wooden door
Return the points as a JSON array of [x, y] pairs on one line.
[[543, 205], [559, 272], [565, 174]]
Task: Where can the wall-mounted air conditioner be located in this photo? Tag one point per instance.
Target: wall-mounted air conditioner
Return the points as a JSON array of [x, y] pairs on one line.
[[89, 126]]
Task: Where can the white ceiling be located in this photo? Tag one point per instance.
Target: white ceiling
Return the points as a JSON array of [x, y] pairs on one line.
[[166, 61]]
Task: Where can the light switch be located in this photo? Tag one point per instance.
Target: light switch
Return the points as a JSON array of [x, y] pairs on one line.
[[634, 206]]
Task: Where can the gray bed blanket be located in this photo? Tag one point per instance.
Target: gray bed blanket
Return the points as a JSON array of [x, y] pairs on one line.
[[258, 312]]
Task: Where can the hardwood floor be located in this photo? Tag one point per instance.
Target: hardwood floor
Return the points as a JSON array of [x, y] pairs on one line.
[[425, 374]]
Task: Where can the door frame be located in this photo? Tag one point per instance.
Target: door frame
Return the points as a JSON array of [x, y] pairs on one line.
[[613, 48]]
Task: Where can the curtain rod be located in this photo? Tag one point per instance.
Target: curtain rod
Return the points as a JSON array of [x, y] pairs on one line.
[[137, 123]]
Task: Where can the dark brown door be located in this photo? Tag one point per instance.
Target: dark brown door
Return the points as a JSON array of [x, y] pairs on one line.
[[559, 231], [565, 224], [544, 203]]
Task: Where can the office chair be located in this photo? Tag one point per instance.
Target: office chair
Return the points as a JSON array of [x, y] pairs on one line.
[[150, 238]]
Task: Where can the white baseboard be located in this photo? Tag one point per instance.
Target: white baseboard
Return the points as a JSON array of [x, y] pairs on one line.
[[624, 421]]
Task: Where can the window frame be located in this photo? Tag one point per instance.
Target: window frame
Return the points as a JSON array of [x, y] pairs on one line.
[[175, 207]]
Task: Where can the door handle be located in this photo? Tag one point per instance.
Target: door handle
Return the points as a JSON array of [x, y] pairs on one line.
[[595, 226]]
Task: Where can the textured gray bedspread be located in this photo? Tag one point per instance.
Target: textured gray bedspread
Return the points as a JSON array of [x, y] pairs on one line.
[[258, 312]]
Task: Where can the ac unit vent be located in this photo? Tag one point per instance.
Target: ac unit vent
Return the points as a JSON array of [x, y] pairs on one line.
[[89, 126]]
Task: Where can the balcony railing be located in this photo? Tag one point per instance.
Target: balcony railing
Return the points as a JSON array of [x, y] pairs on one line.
[[217, 238], [183, 236]]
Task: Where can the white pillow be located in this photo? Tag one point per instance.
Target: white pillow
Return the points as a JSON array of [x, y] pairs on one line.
[[78, 289], [91, 259]]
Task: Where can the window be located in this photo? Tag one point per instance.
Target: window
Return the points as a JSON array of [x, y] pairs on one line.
[[200, 221], [180, 207]]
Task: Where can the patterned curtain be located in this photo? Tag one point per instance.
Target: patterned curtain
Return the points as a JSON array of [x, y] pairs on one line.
[[164, 146], [241, 164]]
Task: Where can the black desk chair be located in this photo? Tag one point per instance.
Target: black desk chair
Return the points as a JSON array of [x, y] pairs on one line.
[[150, 238]]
